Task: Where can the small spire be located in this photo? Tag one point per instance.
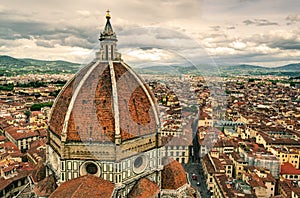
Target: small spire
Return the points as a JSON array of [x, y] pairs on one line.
[[108, 42], [107, 14]]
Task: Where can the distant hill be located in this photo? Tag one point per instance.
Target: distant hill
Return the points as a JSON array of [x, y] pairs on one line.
[[292, 70], [9, 61], [295, 66], [10, 66], [285, 70], [244, 67], [175, 70]]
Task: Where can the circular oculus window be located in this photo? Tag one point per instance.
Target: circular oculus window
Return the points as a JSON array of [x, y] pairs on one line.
[[139, 164], [90, 168]]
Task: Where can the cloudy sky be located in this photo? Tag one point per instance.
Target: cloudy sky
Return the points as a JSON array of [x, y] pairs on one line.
[[261, 32]]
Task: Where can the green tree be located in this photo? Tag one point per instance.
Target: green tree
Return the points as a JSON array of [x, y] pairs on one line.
[[7, 87], [37, 107], [27, 113]]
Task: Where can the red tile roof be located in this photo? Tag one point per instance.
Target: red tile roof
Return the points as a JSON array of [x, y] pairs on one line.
[[288, 169], [202, 115], [42, 133], [171, 140], [173, 175], [11, 147], [85, 186], [287, 187], [2, 138], [45, 187], [144, 188], [96, 102], [19, 133], [5, 182], [39, 172], [37, 151], [255, 181]]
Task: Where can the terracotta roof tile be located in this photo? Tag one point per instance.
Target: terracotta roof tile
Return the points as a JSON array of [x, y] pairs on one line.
[[144, 188], [19, 133], [45, 187], [171, 140], [5, 182], [62, 103], [2, 138], [227, 190], [173, 175], [11, 147], [133, 100], [85, 186], [288, 169], [96, 102]]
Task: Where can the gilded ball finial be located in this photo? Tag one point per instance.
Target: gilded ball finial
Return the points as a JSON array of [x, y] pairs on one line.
[[107, 14]]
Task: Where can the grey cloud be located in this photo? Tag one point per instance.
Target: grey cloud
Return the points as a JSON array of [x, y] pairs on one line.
[[215, 28], [4, 42], [281, 44], [155, 37], [248, 0], [219, 39], [12, 29], [20, 29], [147, 48], [286, 44], [15, 24], [259, 22], [249, 58], [175, 42], [277, 40], [230, 28], [44, 44], [168, 34], [8, 34], [169, 9], [79, 42], [293, 18]]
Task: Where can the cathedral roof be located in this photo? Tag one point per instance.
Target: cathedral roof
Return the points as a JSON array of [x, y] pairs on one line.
[[103, 101], [144, 188], [106, 101], [173, 175], [45, 187], [85, 186]]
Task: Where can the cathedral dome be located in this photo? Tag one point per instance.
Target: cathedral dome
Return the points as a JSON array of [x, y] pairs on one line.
[[104, 133], [105, 103]]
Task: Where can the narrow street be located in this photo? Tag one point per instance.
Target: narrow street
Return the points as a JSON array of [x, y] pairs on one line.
[[195, 168]]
